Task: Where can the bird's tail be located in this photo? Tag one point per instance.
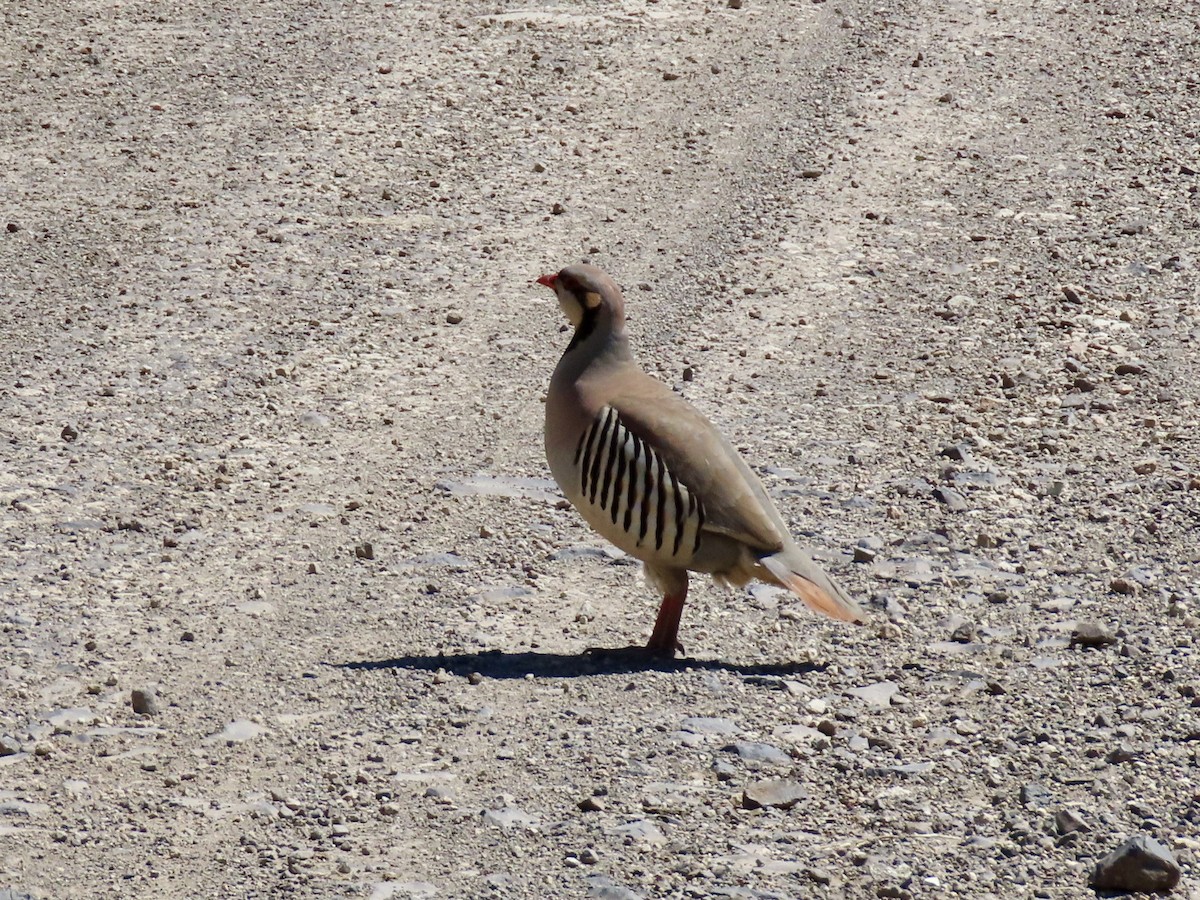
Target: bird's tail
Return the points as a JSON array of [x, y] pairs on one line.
[[791, 568]]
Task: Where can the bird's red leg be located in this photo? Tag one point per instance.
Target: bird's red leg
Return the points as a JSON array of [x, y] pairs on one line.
[[664, 640]]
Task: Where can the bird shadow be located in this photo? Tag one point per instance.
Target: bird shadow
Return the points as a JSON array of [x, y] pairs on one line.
[[501, 665]]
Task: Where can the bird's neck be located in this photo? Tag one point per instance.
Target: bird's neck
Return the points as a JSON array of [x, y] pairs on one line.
[[595, 343]]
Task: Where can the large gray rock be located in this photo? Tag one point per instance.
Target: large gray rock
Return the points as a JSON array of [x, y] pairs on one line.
[[1140, 864]]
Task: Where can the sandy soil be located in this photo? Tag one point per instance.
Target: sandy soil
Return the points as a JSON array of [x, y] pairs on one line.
[[288, 606]]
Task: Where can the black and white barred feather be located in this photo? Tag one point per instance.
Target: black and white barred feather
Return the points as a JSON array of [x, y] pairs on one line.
[[623, 476]]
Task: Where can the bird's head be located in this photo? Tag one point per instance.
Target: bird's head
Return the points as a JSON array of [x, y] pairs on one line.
[[587, 296]]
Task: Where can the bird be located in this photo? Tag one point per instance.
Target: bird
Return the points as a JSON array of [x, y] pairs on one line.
[[652, 475]]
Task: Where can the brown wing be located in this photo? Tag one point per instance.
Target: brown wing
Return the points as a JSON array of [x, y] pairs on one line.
[[735, 503]]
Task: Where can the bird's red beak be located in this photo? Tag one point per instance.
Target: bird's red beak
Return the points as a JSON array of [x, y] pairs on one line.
[[548, 280]]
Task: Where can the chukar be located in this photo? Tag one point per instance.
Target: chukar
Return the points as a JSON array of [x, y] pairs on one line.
[[654, 476]]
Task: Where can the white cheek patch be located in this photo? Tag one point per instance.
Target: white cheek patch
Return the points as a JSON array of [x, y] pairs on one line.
[[571, 309]]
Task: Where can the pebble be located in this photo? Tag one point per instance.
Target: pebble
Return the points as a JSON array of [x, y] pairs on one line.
[[237, 731], [1091, 634], [777, 793], [591, 804], [9, 745], [724, 770], [639, 830], [604, 888], [756, 751], [1123, 586], [1067, 822], [878, 694], [508, 817], [708, 725], [454, 318], [955, 502], [1141, 864], [1035, 795], [145, 701], [440, 794]]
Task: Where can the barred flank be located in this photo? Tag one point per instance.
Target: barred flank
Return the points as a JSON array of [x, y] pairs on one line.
[[624, 476]]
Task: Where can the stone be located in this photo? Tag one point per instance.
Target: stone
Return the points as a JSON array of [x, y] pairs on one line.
[[639, 830], [1126, 586], [955, 502], [777, 793], [708, 725], [236, 732], [1091, 634], [509, 817], [1035, 795], [604, 888], [145, 701], [878, 694], [1140, 864], [756, 751], [1067, 822]]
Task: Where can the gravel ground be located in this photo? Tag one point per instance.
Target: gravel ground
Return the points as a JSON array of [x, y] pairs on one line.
[[288, 605]]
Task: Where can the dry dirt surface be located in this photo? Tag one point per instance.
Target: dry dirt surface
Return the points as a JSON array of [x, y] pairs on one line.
[[288, 605]]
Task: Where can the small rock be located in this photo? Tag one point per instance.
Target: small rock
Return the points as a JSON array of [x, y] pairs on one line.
[[1123, 586], [819, 876], [1145, 466], [734, 4], [708, 725], [1122, 753], [817, 706], [688, 373], [475, 678], [602, 887], [867, 549], [364, 551], [964, 633], [640, 830], [1091, 634], [454, 318], [69, 433], [724, 770], [778, 793], [440, 794], [1141, 864], [755, 751], [954, 501], [1035, 795], [145, 701], [877, 694], [591, 804], [557, 209], [9, 745], [589, 856], [508, 817], [1066, 822]]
